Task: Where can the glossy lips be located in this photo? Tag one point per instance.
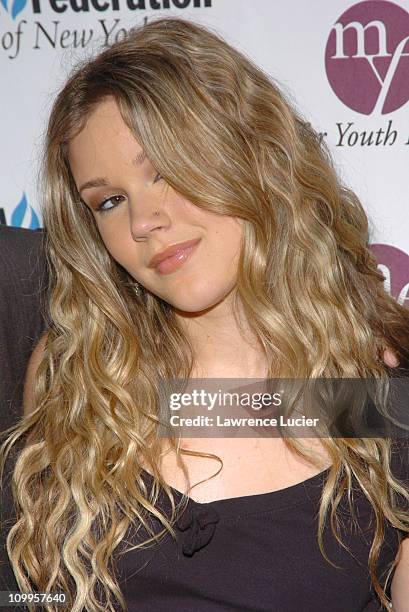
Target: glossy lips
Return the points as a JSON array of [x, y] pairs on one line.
[[174, 257]]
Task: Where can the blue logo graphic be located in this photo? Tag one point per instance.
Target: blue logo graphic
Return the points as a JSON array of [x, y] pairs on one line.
[[16, 6], [22, 210]]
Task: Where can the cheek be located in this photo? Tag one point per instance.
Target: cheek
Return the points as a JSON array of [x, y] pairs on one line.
[[229, 241], [120, 248]]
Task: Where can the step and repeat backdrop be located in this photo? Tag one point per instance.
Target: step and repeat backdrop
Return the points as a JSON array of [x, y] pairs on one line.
[[343, 64]]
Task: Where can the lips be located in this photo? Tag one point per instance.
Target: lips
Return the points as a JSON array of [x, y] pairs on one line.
[[173, 250], [181, 253]]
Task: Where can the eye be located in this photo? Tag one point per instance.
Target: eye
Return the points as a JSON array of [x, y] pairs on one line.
[[101, 210], [118, 199]]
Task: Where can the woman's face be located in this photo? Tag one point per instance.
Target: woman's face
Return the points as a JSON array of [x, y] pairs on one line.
[[104, 155]]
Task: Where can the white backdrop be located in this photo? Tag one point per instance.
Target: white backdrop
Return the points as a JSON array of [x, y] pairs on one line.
[[345, 65]]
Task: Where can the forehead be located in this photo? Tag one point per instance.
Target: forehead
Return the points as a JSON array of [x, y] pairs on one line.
[[104, 121], [105, 138]]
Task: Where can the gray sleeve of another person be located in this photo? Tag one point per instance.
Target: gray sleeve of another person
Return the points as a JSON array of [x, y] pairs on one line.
[[23, 291]]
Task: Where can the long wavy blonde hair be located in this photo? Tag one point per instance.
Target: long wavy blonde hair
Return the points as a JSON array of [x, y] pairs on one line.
[[77, 480]]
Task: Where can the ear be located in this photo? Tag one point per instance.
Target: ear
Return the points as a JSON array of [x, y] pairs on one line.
[[389, 358]]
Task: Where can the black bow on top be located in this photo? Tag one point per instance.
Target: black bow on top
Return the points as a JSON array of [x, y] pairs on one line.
[[198, 525]]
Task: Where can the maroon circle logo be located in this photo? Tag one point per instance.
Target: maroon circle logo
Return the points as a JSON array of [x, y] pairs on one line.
[[394, 265], [367, 57]]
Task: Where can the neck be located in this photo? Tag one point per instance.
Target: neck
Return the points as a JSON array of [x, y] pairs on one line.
[[224, 344]]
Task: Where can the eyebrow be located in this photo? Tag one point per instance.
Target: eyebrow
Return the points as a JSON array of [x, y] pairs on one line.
[[101, 181]]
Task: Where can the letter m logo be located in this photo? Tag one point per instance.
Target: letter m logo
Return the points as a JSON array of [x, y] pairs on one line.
[[367, 57]]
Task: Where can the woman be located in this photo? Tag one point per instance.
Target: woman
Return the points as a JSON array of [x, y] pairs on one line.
[[172, 137]]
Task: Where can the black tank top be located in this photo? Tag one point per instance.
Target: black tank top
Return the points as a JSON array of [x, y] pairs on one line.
[[259, 553]]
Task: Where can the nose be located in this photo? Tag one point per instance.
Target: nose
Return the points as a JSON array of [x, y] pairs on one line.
[[147, 219]]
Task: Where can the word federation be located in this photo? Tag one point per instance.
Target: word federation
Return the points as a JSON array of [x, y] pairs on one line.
[[206, 421]]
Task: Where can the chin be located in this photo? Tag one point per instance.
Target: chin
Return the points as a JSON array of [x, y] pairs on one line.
[[191, 306], [189, 300]]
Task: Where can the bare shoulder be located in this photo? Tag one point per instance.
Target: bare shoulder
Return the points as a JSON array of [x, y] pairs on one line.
[[32, 366], [400, 581]]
